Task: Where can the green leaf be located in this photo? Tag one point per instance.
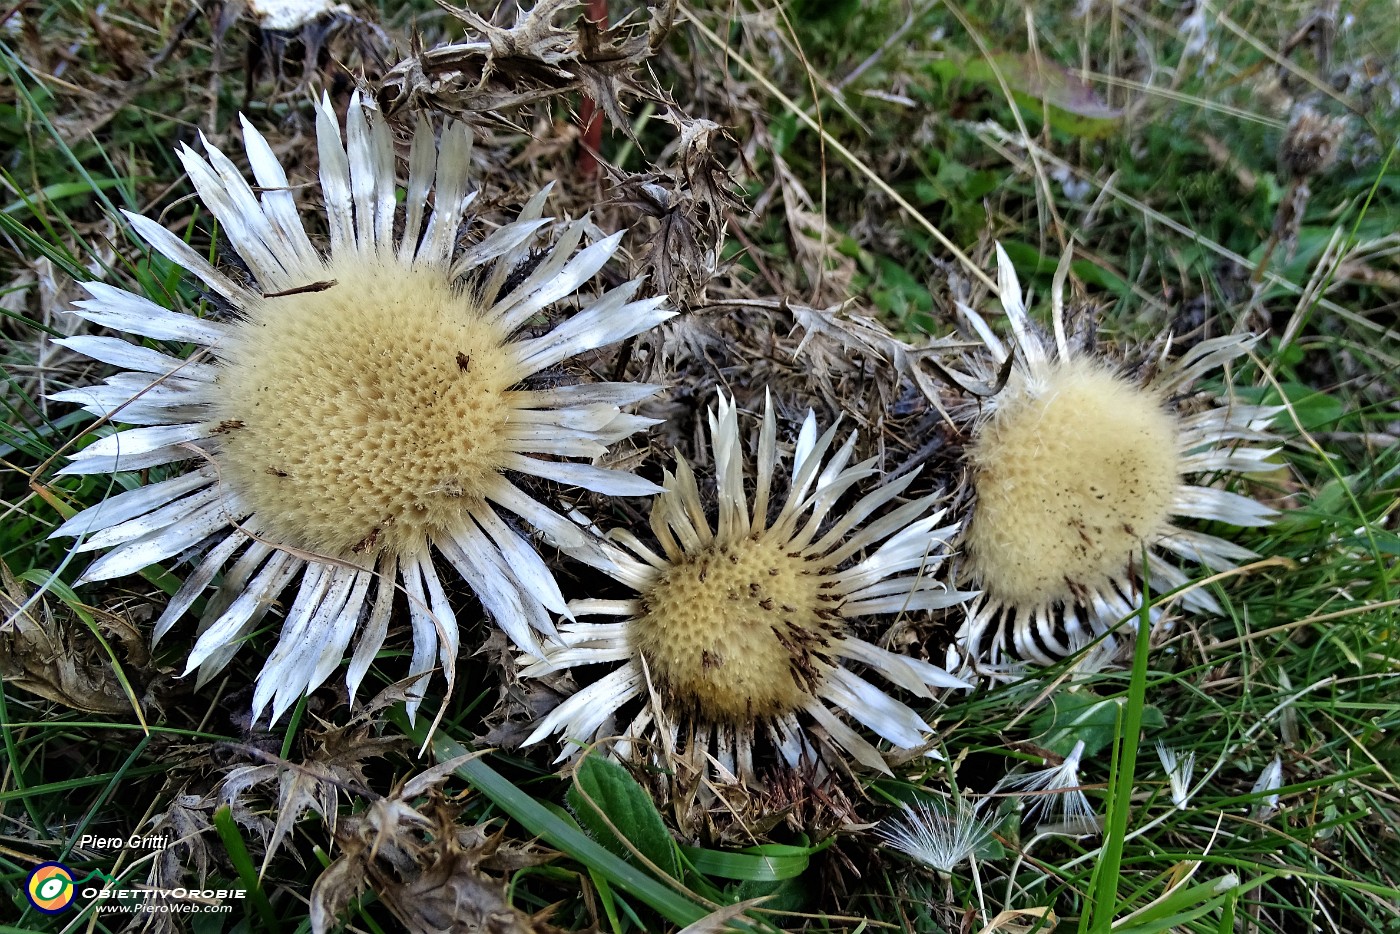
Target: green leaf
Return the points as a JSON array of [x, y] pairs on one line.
[[1094, 274], [1186, 903], [243, 865], [1029, 261], [59, 190], [1316, 410], [1084, 715], [1103, 882], [750, 865], [1040, 88], [540, 820], [787, 895], [609, 802]]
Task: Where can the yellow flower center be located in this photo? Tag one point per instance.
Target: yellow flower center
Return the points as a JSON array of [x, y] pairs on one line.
[[365, 411], [1070, 479], [740, 631]]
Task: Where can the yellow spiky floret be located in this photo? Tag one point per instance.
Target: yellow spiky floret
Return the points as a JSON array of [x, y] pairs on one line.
[[735, 632], [1072, 475], [366, 414]]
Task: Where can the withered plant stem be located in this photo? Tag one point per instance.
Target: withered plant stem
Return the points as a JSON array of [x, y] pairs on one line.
[[590, 115]]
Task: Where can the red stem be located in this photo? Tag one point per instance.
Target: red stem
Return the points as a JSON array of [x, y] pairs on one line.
[[590, 117]]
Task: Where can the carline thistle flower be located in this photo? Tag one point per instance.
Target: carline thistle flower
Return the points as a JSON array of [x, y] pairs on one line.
[[741, 629], [360, 409], [1076, 468]]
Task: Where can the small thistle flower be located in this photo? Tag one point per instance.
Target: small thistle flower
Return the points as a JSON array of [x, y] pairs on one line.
[[941, 836], [1057, 790], [1179, 769], [359, 409], [740, 627], [1269, 780], [1078, 467]]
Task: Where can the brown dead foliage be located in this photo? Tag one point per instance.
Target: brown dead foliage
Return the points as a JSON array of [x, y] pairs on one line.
[[334, 765], [265, 794], [48, 650], [433, 873], [505, 68], [690, 204]]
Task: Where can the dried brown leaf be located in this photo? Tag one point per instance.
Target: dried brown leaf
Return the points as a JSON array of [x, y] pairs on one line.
[[46, 650], [832, 336], [424, 866], [503, 68], [334, 764], [691, 201]]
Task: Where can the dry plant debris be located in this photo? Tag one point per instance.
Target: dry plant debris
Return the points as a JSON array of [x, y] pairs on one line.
[[48, 650], [506, 68], [433, 873]]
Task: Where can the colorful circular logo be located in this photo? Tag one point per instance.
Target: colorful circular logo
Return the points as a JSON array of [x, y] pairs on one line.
[[50, 887]]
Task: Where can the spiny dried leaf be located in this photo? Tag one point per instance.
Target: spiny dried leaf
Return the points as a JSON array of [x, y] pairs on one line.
[[425, 867], [46, 650], [832, 336], [335, 763], [506, 68], [691, 202], [187, 823]]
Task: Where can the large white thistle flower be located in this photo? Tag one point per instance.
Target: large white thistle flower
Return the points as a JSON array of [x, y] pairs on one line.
[[1077, 467], [742, 629], [358, 409]]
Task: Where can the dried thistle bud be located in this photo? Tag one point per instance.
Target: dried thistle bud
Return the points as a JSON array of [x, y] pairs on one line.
[[1310, 144]]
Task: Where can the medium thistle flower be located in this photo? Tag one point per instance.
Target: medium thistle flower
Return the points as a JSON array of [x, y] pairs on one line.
[[360, 409], [941, 836], [1077, 467], [744, 626], [1179, 769], [1058, 791]]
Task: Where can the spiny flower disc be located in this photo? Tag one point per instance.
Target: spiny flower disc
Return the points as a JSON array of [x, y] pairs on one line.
[[740, 631], [1070, 479], [369, 413]]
